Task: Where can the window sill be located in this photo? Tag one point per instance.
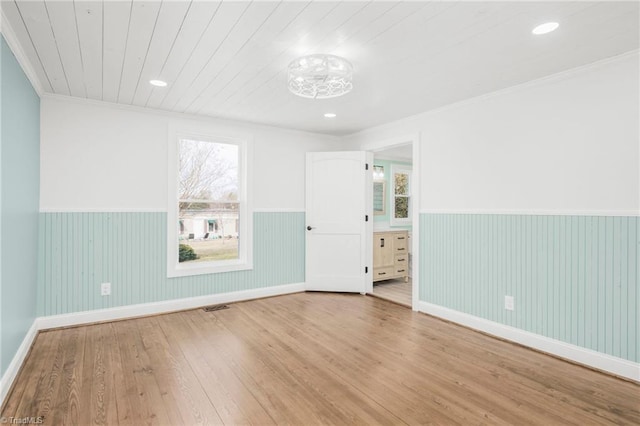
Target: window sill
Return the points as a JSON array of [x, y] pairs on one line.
[[187, 270]]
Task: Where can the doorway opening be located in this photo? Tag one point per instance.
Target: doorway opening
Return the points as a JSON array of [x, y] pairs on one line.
[[393, 208]]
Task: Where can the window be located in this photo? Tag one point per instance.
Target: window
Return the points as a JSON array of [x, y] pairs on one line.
[[401, 200], [209, 224]]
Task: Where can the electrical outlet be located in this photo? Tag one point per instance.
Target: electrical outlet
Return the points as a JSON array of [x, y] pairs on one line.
[[105, 289], [508, 303]]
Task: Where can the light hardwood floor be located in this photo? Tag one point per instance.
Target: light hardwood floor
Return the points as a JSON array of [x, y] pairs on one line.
[[395, 290], [302, 359]]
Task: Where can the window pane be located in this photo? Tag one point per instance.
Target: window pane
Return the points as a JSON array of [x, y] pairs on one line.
[[401, 183], [209, 234], [208, 209], [401, 207], [208, 171]]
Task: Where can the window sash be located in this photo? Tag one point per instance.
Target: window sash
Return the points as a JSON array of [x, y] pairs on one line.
[[245, 214], [401, 170]]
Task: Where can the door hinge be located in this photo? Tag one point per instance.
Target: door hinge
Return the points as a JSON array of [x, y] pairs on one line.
[[366, 218], [366, 269], [366, 166]]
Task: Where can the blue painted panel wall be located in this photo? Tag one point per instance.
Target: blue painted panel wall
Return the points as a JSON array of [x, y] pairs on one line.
[[20, 192], [574, 278], [78, 251]]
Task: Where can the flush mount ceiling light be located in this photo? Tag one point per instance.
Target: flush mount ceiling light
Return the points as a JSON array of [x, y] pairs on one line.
[[320, 76], [330, 115], [545, 28], [158, 83]]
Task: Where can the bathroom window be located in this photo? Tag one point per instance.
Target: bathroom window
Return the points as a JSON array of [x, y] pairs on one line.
[[401, 200]]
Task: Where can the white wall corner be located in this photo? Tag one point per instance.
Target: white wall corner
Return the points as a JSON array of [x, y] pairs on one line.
[[614, 365], [16, 363], [12, 40]]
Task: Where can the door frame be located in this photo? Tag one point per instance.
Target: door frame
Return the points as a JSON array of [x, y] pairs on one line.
[[381, 145]]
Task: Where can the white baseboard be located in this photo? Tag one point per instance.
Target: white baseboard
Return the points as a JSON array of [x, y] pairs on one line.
[[12, 371], [143, 309], [618, 366]]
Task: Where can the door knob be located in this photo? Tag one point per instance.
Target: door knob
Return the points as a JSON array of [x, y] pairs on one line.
[[309, 228]]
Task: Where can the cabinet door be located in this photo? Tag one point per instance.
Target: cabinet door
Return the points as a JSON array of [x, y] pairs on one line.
[[382, 250]]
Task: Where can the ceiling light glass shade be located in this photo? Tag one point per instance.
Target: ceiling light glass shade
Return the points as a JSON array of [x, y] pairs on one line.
[[320, 76]]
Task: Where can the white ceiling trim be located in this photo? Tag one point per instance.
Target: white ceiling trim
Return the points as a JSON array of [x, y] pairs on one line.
[[10, 36], [184, 116]]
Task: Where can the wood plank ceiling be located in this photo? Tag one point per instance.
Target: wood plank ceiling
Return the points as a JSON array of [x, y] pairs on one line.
[[229, 59]]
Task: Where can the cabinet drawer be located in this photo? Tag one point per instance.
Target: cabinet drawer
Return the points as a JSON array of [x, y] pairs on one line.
[[400, 243], [401, 270], [383, 273], [402, 260]]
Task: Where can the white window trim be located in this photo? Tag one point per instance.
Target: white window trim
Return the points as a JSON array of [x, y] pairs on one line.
[[392, 200], [245, 258]]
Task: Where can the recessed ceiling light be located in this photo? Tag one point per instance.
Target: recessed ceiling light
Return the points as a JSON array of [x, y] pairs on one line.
[[158, 83], [545, 28], [330, 115]]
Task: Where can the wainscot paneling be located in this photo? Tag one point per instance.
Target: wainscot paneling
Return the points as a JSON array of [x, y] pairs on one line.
[[78, 251], [574, 278]]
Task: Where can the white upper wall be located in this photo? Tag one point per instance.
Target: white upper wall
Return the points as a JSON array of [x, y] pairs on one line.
[[101, 157], [564, 144]]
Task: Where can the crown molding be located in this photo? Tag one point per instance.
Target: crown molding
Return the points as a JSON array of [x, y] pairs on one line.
[[12, 41], [186, 116]]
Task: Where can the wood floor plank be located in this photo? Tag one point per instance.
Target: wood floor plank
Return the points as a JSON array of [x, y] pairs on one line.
[[69, 390], [149, 406], [396, 290], [257, 375], [305, 374], [32, 380], [178, 381], [307, 358], [234, 403], [41, 399], [309, 345], [134, 409], [459, 363], [413, 379], [119, 409]]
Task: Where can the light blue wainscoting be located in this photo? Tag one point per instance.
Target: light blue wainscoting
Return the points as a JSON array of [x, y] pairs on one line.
[[78, 251], [574, 278]]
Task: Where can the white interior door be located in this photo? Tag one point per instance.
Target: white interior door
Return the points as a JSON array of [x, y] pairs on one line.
[[339, 217]]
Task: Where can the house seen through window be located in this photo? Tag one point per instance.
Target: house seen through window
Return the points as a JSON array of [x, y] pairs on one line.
[[208, 201]]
